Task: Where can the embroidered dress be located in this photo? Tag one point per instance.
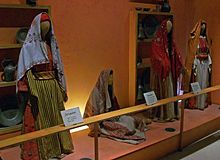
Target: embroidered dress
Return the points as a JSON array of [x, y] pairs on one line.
[[42, 90], [198, 66], [166, 68]]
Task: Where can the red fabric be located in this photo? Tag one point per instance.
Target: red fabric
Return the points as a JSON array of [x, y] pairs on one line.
[[22, 85], [30, 148], [118, 131], [44, 17], [202, 45], [161, 63]]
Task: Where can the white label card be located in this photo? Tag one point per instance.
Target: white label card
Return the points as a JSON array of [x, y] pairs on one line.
[[150, 98], [71, 116], [195, 87]]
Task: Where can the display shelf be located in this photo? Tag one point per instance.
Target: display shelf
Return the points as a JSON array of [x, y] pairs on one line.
[[20, 15], [12, 18], [23, 6], [155, 13], [145, 63], [10, 46], [140, 50], [7, 84], [9, 52], [145, 40], [6, 130]]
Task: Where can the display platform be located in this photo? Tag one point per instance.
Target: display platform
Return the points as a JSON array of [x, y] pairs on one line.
[[197, 124]]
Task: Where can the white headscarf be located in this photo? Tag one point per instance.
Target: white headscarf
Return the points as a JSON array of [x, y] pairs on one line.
[[33, 53]]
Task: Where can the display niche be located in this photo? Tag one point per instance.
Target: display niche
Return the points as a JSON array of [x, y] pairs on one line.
[[143, 26], [13, 18]]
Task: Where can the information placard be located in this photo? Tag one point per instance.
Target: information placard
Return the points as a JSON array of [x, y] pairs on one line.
[[71, 116], [196, 87], [150, 98]]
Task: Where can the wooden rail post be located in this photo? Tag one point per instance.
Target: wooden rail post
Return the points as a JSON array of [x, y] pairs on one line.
[[181, 126], [96, 141]]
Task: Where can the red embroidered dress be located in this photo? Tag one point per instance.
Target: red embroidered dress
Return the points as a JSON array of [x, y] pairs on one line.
[[166, 68]]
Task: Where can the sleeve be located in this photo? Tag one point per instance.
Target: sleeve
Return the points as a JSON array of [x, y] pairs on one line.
[[22, 85], [22, 93], [210, 63], [195, 63]]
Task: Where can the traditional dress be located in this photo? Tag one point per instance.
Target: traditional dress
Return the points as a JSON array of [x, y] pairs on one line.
[[102, 99], [166, 68], [42, 90], [198, 66]]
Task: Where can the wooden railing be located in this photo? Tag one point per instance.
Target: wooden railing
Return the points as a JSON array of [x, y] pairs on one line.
[[95, 119]]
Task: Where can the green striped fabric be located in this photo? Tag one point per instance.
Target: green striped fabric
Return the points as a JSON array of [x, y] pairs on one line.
[[47, 101]]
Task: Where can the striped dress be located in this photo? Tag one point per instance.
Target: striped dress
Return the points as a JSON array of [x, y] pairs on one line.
[[46, 100]]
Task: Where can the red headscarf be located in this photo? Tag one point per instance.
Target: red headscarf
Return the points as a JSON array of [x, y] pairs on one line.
[[160, 59], [44, 17]]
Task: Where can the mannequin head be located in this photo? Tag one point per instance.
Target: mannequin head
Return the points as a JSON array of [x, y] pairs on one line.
[[169, 26], [110, 84], [110, 79], [203, 29], [45, 27]]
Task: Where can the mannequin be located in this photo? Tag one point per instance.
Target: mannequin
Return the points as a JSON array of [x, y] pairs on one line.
[[199, 69], [169, 31], [166, 68], [41, 81], [203, 48], [110, 91], [203, 29], [102, 100], [169, 26]]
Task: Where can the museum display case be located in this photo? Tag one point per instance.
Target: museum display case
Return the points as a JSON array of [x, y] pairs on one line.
[[143, 26]]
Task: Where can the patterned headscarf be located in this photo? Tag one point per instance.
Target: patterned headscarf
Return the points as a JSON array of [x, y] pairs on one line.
[[33, 53], [99, 100], [160, 59]]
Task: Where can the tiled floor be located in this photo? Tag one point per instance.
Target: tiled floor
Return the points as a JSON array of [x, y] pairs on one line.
[[109, 149]]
